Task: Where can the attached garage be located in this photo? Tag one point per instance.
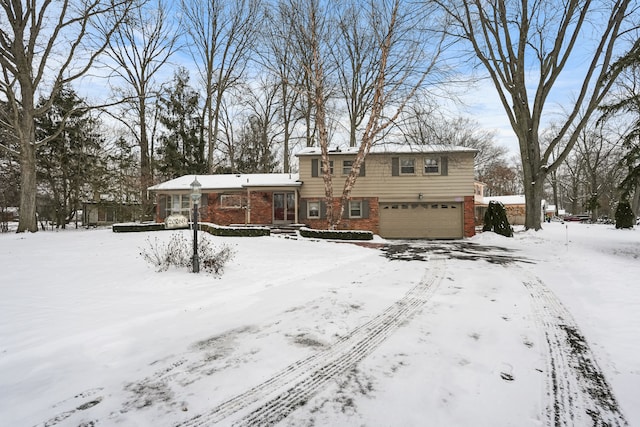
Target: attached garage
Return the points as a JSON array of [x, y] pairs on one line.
[[424, 220]]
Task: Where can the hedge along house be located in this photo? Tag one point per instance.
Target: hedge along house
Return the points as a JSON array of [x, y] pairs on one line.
[[258, 199], [406, 192], [402, 192]]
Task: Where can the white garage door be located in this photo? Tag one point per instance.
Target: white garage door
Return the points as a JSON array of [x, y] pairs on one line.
[[421, 220]]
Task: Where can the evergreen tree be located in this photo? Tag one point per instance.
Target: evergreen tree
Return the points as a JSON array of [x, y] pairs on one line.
[[624, 215], [123, 170], [254, 153], [495, 219], [70, 160], [182, 149]]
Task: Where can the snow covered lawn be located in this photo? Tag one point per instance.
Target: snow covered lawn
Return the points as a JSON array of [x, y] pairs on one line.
[[540, 329]]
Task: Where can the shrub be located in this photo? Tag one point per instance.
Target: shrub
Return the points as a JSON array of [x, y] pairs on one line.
[[219, 230], [624, 215], [495, 219], [178, 252], [336, 234], [137, 227]]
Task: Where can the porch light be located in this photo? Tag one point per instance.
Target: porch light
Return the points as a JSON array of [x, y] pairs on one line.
[[196, 194]]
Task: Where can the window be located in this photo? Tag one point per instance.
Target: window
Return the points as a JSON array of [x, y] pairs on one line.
[[313, 209], [316, 167], [180, 204], [330, 167], [407, 166], [230, 201], [346, 167], [431, 165], [355, 209]]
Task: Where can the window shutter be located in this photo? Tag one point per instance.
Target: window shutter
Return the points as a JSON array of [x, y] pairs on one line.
[[323, 210], [365, 209], [314, 167], [361, 170], [162, 207], [345, 212], [302, 206], [395, 166], [444, 165]]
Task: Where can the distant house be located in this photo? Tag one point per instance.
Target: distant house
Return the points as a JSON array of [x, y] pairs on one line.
[[107, 212], [514, 205], [407, 192]]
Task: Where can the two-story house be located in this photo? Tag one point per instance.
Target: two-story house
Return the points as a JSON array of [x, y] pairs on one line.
[[405, 192]]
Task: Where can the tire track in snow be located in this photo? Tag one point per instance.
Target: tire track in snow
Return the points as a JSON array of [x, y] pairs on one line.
[[280, 395], [579, 392]]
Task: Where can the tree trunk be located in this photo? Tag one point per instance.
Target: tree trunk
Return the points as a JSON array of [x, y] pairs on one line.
[[635, 204], [534, 178], [146, 174], [554, 186], [28, 187], [533, 209]]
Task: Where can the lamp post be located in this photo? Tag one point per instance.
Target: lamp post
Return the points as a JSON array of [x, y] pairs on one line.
[[195, 197]]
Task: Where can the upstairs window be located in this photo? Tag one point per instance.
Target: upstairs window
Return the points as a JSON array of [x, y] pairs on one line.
[[431, 165], [330, 167], [316, 167], [346, 167], [407, 166]]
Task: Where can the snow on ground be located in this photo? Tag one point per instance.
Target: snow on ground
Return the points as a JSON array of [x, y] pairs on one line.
[[540, 329]]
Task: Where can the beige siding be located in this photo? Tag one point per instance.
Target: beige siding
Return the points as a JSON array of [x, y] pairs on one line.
[[379, 182]]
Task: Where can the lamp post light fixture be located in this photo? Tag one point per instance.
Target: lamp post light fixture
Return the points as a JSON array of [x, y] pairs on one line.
[[196, 193]]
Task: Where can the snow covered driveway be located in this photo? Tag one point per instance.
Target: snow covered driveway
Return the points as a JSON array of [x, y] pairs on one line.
[[303, 332]]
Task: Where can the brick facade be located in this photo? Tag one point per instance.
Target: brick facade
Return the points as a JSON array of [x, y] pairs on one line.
[[370, 223], [469, 216], [260, 209]]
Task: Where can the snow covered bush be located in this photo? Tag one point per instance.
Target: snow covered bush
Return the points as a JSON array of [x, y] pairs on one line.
[[624, 215], [178, 252]]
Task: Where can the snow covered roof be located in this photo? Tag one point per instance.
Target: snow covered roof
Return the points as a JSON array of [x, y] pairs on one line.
[[231, 181], [505, 200], [391, 149]]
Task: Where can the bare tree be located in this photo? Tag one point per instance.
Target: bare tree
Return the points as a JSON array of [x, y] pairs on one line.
[[277, 57], [525, 46], [625, 104], [424, 125], [138, 51], [599, 157], [403, 66], [310, 32], [356, 61], [44, 46], [400, 68], [223, 35]]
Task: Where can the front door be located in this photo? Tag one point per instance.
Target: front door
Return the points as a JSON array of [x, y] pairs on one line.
[[284, 207]]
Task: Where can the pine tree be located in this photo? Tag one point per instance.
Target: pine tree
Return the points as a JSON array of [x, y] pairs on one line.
[[624, 215], [254, 153], [182, 150], [70, 160], [495, 219]]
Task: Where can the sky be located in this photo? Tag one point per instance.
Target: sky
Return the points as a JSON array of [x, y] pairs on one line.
[[311, 332]]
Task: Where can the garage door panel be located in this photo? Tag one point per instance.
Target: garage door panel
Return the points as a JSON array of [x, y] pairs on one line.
[[421, 220]]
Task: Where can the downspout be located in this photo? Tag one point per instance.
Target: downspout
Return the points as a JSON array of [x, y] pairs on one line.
[[247, 217], [295, 204]]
